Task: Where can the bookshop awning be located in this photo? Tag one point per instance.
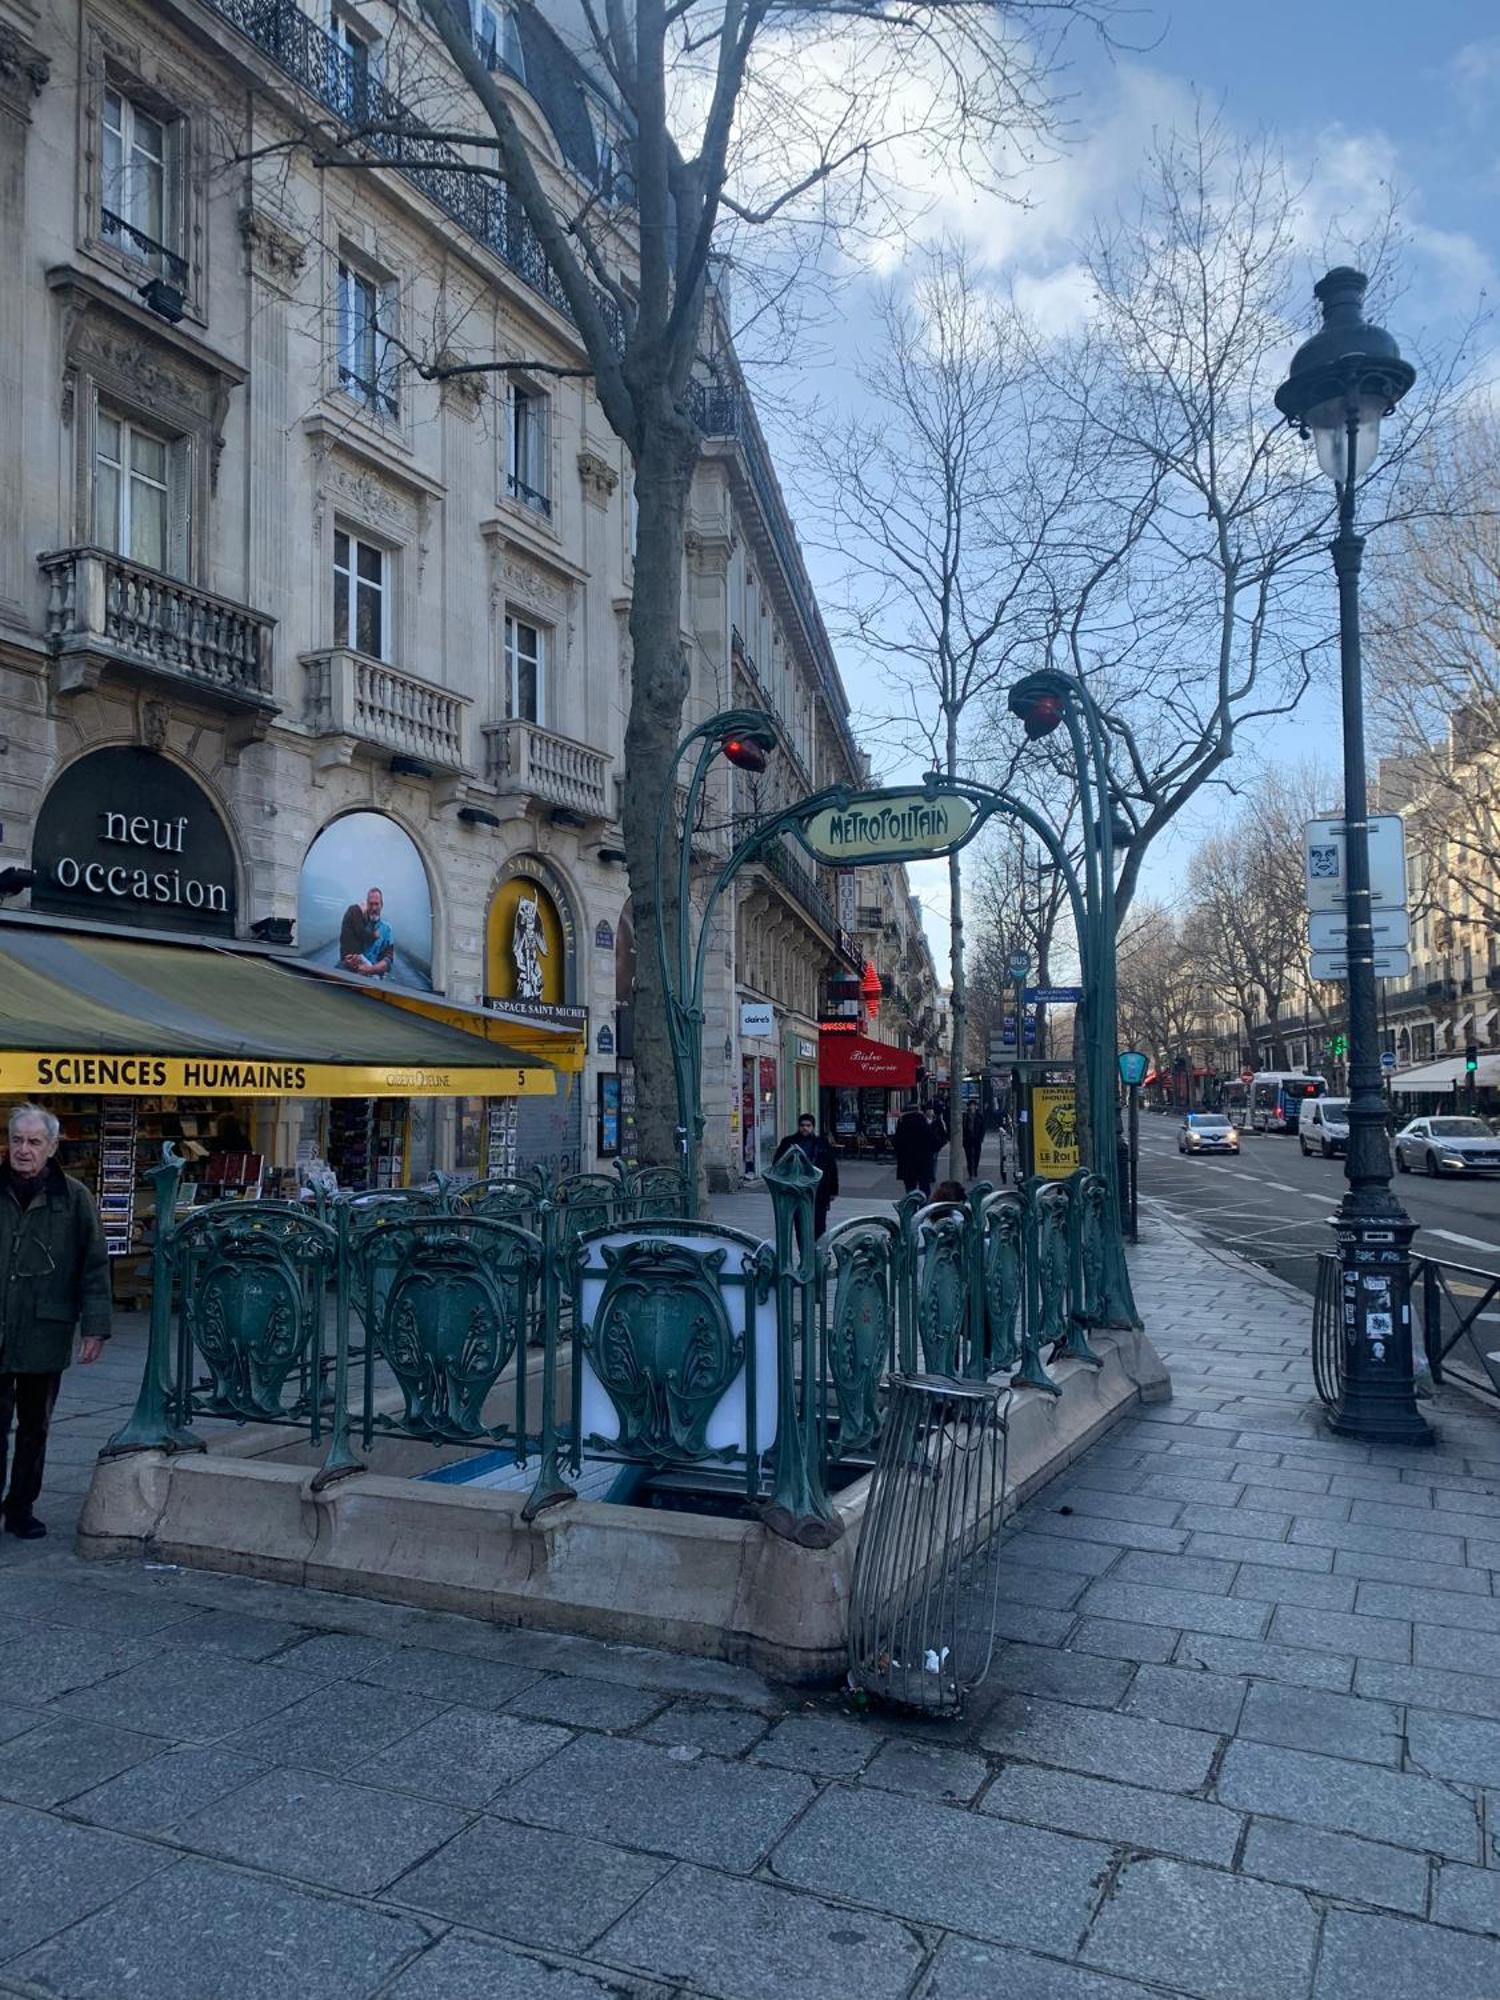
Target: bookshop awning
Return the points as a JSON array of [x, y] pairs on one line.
[[103, 1015], [848, 1060]]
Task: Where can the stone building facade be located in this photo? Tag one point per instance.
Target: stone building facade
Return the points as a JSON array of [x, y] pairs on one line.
[[253, 526]]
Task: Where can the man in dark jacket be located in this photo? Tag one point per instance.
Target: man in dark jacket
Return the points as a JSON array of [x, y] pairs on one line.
[[973, 1139], [915, 1151], [54, 1270], [818, 1153]]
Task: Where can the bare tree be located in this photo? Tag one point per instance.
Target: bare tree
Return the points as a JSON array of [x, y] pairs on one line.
[[1200, 621], [738, 121], [944, 502], [1160, 984]]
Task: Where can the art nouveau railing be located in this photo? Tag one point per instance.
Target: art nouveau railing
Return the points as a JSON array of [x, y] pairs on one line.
[[762, 1369]]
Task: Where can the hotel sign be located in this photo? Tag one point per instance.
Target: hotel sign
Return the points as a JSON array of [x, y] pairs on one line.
[[888, 826]]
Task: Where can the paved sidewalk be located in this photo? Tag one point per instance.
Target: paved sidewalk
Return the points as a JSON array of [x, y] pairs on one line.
[[1242, 1742]]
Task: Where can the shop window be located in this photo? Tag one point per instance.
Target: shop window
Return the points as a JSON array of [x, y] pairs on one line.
[[139, 492], [362, 592], [525, 671], [529, 474], [366, 351], [141, 184], [498, 37]]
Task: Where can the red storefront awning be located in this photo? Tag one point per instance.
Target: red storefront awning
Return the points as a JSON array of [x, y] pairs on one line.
[[846, 1060]]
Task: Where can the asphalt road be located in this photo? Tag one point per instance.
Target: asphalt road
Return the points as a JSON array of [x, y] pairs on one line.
[[1273, 1206]]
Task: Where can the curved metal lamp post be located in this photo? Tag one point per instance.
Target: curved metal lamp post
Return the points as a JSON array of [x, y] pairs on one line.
[[730, 734], [1339, 386], [1042, 701]]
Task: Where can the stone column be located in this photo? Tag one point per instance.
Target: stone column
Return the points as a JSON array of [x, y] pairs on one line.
[[23, 74]]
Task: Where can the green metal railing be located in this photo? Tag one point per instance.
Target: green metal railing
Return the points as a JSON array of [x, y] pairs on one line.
[[758, 1371]]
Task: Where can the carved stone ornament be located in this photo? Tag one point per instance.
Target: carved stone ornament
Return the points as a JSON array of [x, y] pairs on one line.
[[599, 477], [21, 64], [155, 717], [278, 255], [369, 498], [463, 394], [526, 582]]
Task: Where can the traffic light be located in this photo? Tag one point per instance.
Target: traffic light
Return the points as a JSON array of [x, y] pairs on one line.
[[1471, 1059], [1339, 1046]]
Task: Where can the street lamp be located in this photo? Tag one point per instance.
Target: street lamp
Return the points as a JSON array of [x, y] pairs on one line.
[[1043, 701], [1340, 385]]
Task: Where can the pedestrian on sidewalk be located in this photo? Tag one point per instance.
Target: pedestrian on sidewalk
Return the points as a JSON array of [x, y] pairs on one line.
[[54, 1270], [914, 1151], [816, 1150], [973, 1131]]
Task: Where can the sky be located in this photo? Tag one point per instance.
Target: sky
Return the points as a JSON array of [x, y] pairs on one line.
[[1359, 93]]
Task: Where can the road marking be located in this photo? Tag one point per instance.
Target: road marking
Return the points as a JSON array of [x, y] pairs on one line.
[[1469, 1242], [1283, 1187]]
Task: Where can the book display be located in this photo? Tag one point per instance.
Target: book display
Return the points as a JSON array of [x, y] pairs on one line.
[[500, 1138]]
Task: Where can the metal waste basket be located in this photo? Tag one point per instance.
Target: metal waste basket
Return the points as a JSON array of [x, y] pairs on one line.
[[926, 1583]]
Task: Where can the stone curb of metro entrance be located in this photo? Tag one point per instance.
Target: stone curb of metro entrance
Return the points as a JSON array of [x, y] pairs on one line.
[[722, 1589]]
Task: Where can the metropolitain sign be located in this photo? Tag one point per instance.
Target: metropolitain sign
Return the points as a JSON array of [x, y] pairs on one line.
[[888, 826]]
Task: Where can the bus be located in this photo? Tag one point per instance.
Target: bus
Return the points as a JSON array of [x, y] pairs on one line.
[[1277, 1097]]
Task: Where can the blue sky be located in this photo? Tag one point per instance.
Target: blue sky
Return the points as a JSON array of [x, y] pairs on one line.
[[1359, 93]]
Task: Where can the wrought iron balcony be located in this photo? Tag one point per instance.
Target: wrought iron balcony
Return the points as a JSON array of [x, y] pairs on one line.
[[801, 885], [387, 128], [524, 761], [358, 703], [136, 243], [104, 612]]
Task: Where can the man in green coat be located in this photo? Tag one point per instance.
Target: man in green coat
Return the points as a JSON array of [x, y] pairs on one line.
[[54, 1271]]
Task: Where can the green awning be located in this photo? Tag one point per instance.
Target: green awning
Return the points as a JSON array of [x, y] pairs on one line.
[[216, 1021]]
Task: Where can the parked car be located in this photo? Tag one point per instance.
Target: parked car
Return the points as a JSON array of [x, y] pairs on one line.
[[1323, 1126], [1447, 1145], [1207, 1132]]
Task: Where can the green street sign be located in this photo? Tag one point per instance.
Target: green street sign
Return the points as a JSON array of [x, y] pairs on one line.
[[887, 826]]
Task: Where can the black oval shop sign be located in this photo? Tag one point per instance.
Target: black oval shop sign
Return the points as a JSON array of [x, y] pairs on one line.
[[127, 837]]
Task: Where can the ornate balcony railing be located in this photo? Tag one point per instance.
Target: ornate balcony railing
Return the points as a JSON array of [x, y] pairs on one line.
[[391, 130], [523, 760], [102, 609], [356, 701], [802, 886]]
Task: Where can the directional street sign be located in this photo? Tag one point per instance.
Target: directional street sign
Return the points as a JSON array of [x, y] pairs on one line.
[[1391, 964], [1324, 847], [1328, 930], [1054, 996]]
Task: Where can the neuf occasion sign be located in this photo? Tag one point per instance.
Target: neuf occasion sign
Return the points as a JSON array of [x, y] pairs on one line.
[[26, 1074], [1054, 1127]]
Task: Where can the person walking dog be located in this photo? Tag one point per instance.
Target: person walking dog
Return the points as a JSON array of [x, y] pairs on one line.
[[54, 1271]]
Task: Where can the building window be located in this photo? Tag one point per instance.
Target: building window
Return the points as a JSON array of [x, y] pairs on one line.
[[361, 595], [525, 672], [367, 360], [140, 192], [353, 67], [529, 479], [139, 493], [498, 36]]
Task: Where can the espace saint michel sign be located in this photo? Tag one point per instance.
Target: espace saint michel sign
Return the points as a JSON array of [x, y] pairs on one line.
[[888, 826]]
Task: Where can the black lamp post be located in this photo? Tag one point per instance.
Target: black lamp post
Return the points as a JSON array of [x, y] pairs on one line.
[[1340, 384]]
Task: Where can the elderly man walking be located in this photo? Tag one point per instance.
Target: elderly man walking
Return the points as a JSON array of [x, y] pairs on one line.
[[54, 1271]]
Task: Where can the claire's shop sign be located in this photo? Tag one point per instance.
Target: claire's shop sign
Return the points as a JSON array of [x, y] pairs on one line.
[[126, 836]]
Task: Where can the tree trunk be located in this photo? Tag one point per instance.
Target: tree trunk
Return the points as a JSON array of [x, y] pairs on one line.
[[659, 686], [1278, 1038], [959, 1003]]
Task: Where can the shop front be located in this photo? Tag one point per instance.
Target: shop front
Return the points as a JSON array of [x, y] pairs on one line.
[[760, 1095], [531, 990], [862, 1080], [226, 1052]]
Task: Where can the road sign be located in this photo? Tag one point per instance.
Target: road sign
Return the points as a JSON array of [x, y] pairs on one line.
[[1054, 996], [1133, 1066], [1247, 1076], [1018, 965], [1387, 1059], [1324, 845], [1335, 965], [1328, 930]]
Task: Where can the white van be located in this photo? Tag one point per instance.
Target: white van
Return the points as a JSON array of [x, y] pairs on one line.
[[1323, 1126]]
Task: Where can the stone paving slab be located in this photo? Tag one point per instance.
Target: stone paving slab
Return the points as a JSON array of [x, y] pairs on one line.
[[1241, 1741]]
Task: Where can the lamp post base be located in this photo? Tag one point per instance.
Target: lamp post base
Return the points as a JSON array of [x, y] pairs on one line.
[[1377, 1393]]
